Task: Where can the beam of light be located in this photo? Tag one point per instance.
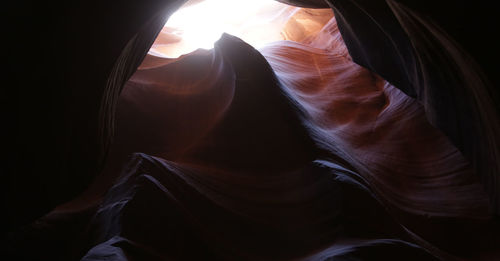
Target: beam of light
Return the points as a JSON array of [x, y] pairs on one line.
[[199, 24]]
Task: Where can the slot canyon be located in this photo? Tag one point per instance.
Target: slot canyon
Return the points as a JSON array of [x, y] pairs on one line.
[[252, 130]]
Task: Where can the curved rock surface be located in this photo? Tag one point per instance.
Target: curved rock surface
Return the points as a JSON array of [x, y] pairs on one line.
[[373, 140]]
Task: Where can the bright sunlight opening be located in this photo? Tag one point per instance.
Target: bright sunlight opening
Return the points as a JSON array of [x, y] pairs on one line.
[[199, 24]]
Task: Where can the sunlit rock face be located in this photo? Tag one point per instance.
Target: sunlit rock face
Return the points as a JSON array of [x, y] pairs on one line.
[[199, 24]]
